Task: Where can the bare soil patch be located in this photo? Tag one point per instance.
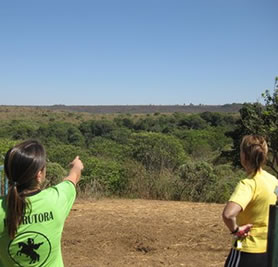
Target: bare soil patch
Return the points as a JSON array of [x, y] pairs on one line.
[[117, 232]]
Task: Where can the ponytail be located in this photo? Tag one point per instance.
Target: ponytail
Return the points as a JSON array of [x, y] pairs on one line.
[[17, 205], [22, 165], [254, 148]]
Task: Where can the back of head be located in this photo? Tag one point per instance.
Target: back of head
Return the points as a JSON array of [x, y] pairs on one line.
[[22, 165], [254, 149]]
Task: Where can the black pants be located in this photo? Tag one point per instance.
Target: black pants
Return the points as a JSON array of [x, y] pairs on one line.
[[238, 258]]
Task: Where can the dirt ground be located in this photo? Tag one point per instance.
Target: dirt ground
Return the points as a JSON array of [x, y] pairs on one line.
[[116, 232]]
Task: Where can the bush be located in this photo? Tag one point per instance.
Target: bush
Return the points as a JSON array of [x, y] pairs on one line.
[[120, 135], [201, 182], [203, 143], [5, 145], [106, 148], [65, 154], [110, 175], [157, 151], [227, 179], [54, 174], [149, 184], [60, 132], [18, 130], [198, 178], [93, 128]]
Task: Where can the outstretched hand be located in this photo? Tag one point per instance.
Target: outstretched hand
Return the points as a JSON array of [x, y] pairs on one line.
[[77, 163], [76, 166]]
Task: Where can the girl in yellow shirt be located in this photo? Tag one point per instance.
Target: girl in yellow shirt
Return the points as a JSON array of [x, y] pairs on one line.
[[246, 213]]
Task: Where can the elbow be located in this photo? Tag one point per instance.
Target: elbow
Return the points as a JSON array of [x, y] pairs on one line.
[[227, 215]]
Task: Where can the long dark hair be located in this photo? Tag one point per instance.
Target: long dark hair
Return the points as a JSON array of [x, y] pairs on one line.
[[22, 165]]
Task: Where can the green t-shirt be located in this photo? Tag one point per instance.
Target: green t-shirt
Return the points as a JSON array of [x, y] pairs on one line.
[[38, 239]]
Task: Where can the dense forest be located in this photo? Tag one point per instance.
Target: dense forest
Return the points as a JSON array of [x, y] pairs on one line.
[[172, 156]]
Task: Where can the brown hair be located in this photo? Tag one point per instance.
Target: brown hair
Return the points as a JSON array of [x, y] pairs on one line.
[[22, 165], [254, 148]]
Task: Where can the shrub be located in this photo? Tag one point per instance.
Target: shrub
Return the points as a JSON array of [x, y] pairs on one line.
[[93, 128], [60, 132], [149, 184], [201, 182], [108, 173], [157, 151], [197, 177], [106, 148], [54, 174], [5, 145], [65, 154]]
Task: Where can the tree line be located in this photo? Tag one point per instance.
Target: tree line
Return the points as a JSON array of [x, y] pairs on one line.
[[178, 156]]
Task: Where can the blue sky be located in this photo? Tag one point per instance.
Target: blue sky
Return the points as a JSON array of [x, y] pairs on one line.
[[128, 52]]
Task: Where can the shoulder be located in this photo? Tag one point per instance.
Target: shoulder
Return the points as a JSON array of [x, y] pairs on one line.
[[66, 184], [244, 188], [63, 195], [243, 192], [65, 187], [267, 176], [247, 182]]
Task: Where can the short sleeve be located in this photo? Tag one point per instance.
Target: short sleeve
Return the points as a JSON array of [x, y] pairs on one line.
[[243, 192], [66, 196]]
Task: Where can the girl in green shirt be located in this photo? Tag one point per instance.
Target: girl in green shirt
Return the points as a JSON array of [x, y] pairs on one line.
[[31, 219]]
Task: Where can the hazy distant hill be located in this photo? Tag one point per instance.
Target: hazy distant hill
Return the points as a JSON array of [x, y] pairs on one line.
[[132, 109]]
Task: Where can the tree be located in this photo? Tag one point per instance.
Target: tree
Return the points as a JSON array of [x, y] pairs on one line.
[[5, 145], [93, 128], [258, 119], [64, 154], [106, 148], [218, 119], [109, 174], [60, 132], [54, 174], [157, 151], [198, 179], [192, 122], [18, 130]]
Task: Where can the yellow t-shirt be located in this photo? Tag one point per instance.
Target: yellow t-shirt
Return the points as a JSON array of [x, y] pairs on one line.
[[255, 195]]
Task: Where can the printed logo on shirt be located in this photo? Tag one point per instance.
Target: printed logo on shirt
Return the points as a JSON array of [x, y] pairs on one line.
[[30, 249], [35, 218], [38, 218]]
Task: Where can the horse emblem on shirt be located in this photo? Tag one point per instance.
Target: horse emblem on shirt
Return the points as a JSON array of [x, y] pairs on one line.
[[29, 250]]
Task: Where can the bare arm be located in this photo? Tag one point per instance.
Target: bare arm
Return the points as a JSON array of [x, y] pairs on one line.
[[75, 171], [229, 215]]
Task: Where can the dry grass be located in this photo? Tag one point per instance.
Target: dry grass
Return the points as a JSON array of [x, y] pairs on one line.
[[116, 232]]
